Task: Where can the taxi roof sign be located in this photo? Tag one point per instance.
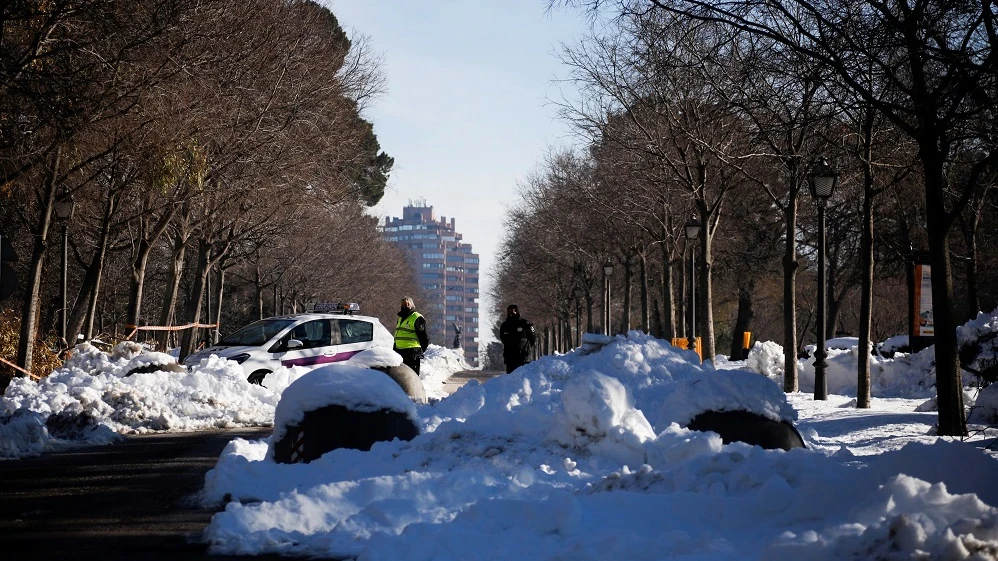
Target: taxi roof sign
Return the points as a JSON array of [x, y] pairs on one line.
[[336, 308]]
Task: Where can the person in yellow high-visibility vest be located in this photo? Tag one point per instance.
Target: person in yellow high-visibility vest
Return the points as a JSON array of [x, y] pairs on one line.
[[410, 335]]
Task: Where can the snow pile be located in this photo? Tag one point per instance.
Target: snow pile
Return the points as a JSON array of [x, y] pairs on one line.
[[97, 396], [437, 365], [585, 456], [23, 435], [984, 409], [767, 358], [91, 383]]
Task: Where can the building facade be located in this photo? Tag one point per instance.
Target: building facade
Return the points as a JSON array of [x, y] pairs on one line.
[[446, 269]]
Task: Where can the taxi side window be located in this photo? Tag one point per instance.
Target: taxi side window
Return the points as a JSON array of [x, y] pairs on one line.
[[354, 331], [312, 334]]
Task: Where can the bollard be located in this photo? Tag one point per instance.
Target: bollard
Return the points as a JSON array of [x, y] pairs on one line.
[[335, 426], [751, 428], [746, 344]]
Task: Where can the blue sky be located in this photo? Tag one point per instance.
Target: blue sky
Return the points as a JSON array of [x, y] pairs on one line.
[[468, 112]]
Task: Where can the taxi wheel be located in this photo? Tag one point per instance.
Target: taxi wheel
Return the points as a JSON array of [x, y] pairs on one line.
[[257, 377]]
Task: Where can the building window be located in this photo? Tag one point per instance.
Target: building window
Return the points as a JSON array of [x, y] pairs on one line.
[[433, 265], [471, 260], [433, 255]]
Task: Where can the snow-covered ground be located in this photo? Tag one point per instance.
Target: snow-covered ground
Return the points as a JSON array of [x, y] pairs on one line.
[[92, 399], [580, 456]]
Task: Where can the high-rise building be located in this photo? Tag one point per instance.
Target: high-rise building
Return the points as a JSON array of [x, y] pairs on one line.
[[447, 271]]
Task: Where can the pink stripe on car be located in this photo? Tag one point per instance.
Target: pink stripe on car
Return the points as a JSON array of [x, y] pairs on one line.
[[319, 359]]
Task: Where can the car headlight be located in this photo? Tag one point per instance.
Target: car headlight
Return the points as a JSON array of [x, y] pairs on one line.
[[239, 358]]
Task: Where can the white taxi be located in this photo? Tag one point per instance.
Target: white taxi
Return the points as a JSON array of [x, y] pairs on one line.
[[310, 339]]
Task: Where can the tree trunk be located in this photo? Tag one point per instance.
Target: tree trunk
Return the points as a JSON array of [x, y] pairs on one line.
[[84, 318], [863, 390], [589, 312], [684, 298], [625, 314], [743, 319], [949, 386], [275, 299], [705, 297], [258, 286], [138, 279], [832, 315], [973, 294], [668, 295], [790, 382], [147, 241], [167, 312], [217, 320], [30, 309], [643, 272], [193, 312], [658, 324]]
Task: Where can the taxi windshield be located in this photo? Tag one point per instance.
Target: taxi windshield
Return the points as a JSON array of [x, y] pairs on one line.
[[256, 333]]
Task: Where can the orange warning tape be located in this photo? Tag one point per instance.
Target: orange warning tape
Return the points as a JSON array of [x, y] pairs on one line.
[[19, 369], [136, 328]]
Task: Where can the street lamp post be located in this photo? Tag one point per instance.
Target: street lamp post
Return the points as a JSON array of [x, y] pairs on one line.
[[692, 230], [823, 178], [64, 213], [607, 272]]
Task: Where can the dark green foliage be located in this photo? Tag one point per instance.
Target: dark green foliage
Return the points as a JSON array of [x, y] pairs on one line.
[[370, 175]]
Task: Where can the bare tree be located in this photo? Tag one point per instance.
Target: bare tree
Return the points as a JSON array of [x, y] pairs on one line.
[[928, 67]]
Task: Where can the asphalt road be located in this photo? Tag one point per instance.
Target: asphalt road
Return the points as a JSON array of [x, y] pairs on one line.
[[131, 501]]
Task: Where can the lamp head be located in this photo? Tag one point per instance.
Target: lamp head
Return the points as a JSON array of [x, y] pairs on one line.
[[823, 179], [64, 206], [692, 228]]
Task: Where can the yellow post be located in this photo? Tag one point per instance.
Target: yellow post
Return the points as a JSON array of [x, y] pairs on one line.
[[699, 348], [746, 342], [679, 342]]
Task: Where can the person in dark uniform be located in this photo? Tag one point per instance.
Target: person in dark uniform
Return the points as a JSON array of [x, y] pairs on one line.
[[410, 335], [517, 337]]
